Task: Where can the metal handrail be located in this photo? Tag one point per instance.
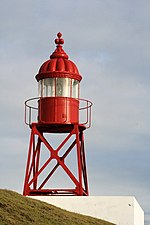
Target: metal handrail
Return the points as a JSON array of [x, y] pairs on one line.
[[29, 108], [88, 112]]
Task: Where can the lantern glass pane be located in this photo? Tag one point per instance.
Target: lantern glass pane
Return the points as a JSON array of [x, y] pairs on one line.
[[75, 88], [40, 88], [63, 87], [48, 87]]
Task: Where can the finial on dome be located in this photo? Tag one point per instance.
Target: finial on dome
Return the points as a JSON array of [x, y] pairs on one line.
[[59, 52], [59, 40]]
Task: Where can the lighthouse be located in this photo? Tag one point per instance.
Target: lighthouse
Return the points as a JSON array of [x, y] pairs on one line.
[[58, 110]]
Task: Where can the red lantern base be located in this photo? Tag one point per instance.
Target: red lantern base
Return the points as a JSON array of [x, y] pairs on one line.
[[34, 169]]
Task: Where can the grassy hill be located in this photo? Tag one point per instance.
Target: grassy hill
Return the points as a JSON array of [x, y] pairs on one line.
[[16, 209]]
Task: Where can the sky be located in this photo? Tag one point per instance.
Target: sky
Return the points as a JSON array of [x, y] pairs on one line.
[[109, 42]]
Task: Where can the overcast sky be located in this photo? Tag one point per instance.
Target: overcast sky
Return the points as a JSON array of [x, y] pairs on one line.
[[110, 43]]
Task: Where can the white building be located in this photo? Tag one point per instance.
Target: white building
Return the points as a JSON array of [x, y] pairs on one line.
[[121, 210]]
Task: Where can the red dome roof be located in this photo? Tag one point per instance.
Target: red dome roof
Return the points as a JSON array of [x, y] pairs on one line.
[[58, 65]]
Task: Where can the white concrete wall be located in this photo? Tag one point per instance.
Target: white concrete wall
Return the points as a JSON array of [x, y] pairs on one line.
[[121, 210], [137, 213]]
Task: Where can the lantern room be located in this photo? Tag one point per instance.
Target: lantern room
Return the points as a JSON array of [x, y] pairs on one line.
[[58, 88]]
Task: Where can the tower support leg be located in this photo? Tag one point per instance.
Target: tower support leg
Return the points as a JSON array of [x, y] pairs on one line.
[[35, 186]]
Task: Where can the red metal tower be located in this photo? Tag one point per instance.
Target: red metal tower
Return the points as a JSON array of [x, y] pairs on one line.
[[59, 110]]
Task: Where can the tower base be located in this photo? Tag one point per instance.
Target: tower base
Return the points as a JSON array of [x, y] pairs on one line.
[[35, 183]]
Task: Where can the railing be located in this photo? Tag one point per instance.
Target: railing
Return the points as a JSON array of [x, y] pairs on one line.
[[31, 111], [85, 108]]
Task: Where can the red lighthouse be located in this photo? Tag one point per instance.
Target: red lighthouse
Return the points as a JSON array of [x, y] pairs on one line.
[[58, 110]]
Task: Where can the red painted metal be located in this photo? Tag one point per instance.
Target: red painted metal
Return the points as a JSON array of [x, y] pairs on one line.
[[61, 110], [58, 65], [33, 171], [33, 115], [56, 114]]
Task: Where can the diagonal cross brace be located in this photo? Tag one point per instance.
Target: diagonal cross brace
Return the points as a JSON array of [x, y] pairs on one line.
[[54, 154]]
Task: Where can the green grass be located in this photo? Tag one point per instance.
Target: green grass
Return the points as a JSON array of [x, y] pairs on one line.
[[16, 209]]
